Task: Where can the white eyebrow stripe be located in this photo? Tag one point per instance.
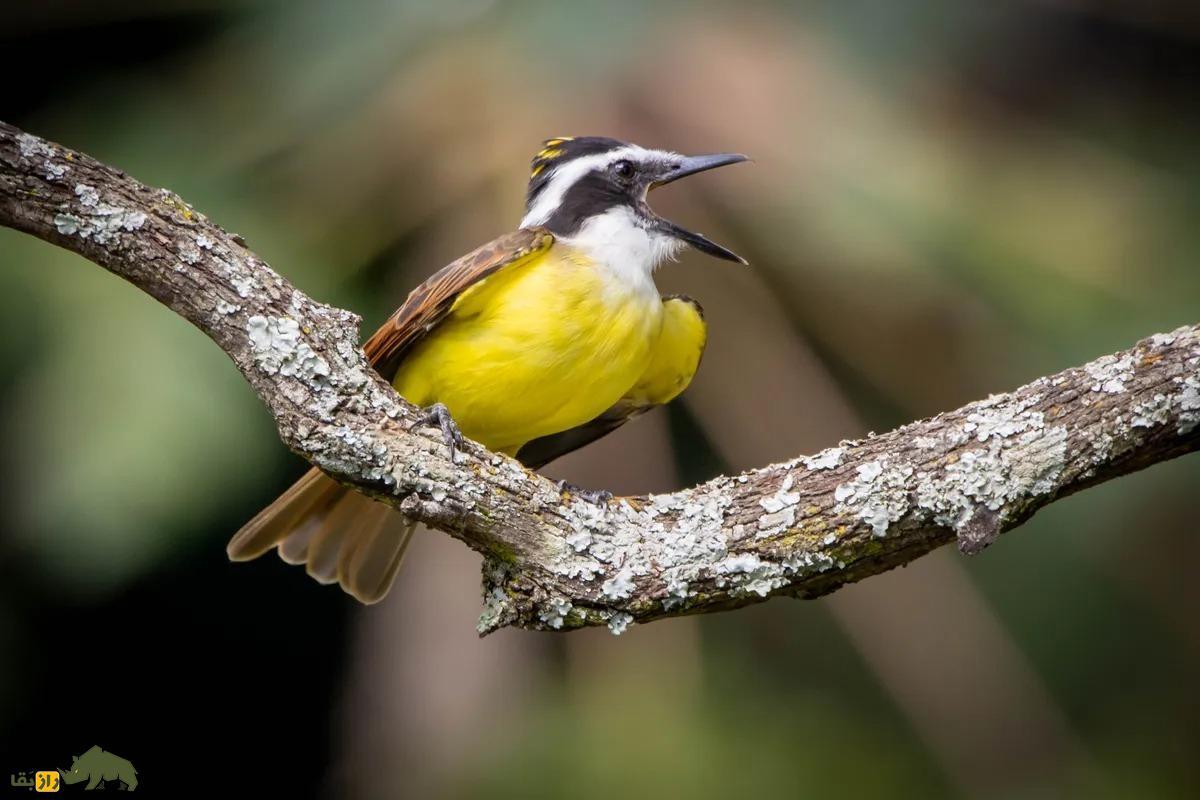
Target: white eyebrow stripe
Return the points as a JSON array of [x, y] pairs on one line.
[[564, 177]]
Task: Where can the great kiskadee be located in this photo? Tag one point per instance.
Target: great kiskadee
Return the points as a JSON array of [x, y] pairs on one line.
[[534, 345]]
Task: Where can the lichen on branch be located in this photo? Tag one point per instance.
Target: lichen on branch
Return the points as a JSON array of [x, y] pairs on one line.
[[553, 562]]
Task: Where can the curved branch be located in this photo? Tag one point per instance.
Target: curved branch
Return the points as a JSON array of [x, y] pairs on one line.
[[801, 528]]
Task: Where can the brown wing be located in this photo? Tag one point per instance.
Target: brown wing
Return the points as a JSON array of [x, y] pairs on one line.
[[429, 303]]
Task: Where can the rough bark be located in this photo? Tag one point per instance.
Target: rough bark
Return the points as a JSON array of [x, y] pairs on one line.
[[802, 528]]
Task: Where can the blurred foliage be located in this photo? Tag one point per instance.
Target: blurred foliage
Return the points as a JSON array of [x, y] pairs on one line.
[[948, 199]]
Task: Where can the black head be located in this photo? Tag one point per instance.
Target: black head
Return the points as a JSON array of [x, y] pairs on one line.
[[574, 180]]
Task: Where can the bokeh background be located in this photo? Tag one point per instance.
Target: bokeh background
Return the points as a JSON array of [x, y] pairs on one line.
[[948, 198]]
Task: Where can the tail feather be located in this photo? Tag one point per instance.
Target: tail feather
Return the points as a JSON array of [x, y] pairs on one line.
[[293, 547], [368, 569], [278, 519], [337, 529], [338, 534]]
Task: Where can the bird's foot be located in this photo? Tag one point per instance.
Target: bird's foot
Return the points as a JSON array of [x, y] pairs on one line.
[[594, 496], [437, 415]]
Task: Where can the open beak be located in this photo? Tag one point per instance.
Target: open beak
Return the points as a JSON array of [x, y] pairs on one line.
[[690, 165]]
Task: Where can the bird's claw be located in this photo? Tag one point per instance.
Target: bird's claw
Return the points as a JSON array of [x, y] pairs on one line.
[[437, 415], [594, 496]]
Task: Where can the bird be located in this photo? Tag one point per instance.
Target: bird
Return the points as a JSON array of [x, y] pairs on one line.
[[535, 344]]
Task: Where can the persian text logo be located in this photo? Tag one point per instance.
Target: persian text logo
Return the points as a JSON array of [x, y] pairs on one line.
[[47, 781], [42, 780]]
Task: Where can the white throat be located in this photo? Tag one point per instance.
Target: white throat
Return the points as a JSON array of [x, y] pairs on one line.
[[617, 241]]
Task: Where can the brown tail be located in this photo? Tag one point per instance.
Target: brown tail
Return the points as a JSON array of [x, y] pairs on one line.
[[339, 534]]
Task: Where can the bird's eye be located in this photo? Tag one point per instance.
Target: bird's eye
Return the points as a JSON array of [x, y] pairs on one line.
[[623, 170]]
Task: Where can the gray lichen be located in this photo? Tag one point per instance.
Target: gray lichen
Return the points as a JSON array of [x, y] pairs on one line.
[[67, 224], [1189, 404], [619, 621], [810, 562], [1004, 420], [780, 509], [1006, 472], [190, 255], [1152, 412], [620, 586], [878, 495], [826, 459], [1163, 339], [98, 221], [695, 548], [243, 285], [88, 196], [554, 611], [1110, 373], [31, 146], [278, 348], [677, 593], [497, 608], [580, 540], [759, 577]]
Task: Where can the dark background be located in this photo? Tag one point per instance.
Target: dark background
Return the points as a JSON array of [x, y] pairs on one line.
[[947, 199]]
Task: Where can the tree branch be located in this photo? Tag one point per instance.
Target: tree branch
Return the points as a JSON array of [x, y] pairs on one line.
[[801, 528]]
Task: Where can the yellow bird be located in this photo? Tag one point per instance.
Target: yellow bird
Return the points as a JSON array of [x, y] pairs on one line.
[[534, 345]]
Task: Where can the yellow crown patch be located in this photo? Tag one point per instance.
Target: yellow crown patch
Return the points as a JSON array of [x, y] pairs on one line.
[[551, 149]]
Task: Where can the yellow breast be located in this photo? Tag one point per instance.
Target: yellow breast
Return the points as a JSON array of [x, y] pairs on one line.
[[535, 349]]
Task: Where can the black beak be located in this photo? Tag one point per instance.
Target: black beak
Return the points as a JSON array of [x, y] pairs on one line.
[[690, 165]]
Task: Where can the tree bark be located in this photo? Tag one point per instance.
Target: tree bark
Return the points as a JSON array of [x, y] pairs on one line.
[[801, 528]]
